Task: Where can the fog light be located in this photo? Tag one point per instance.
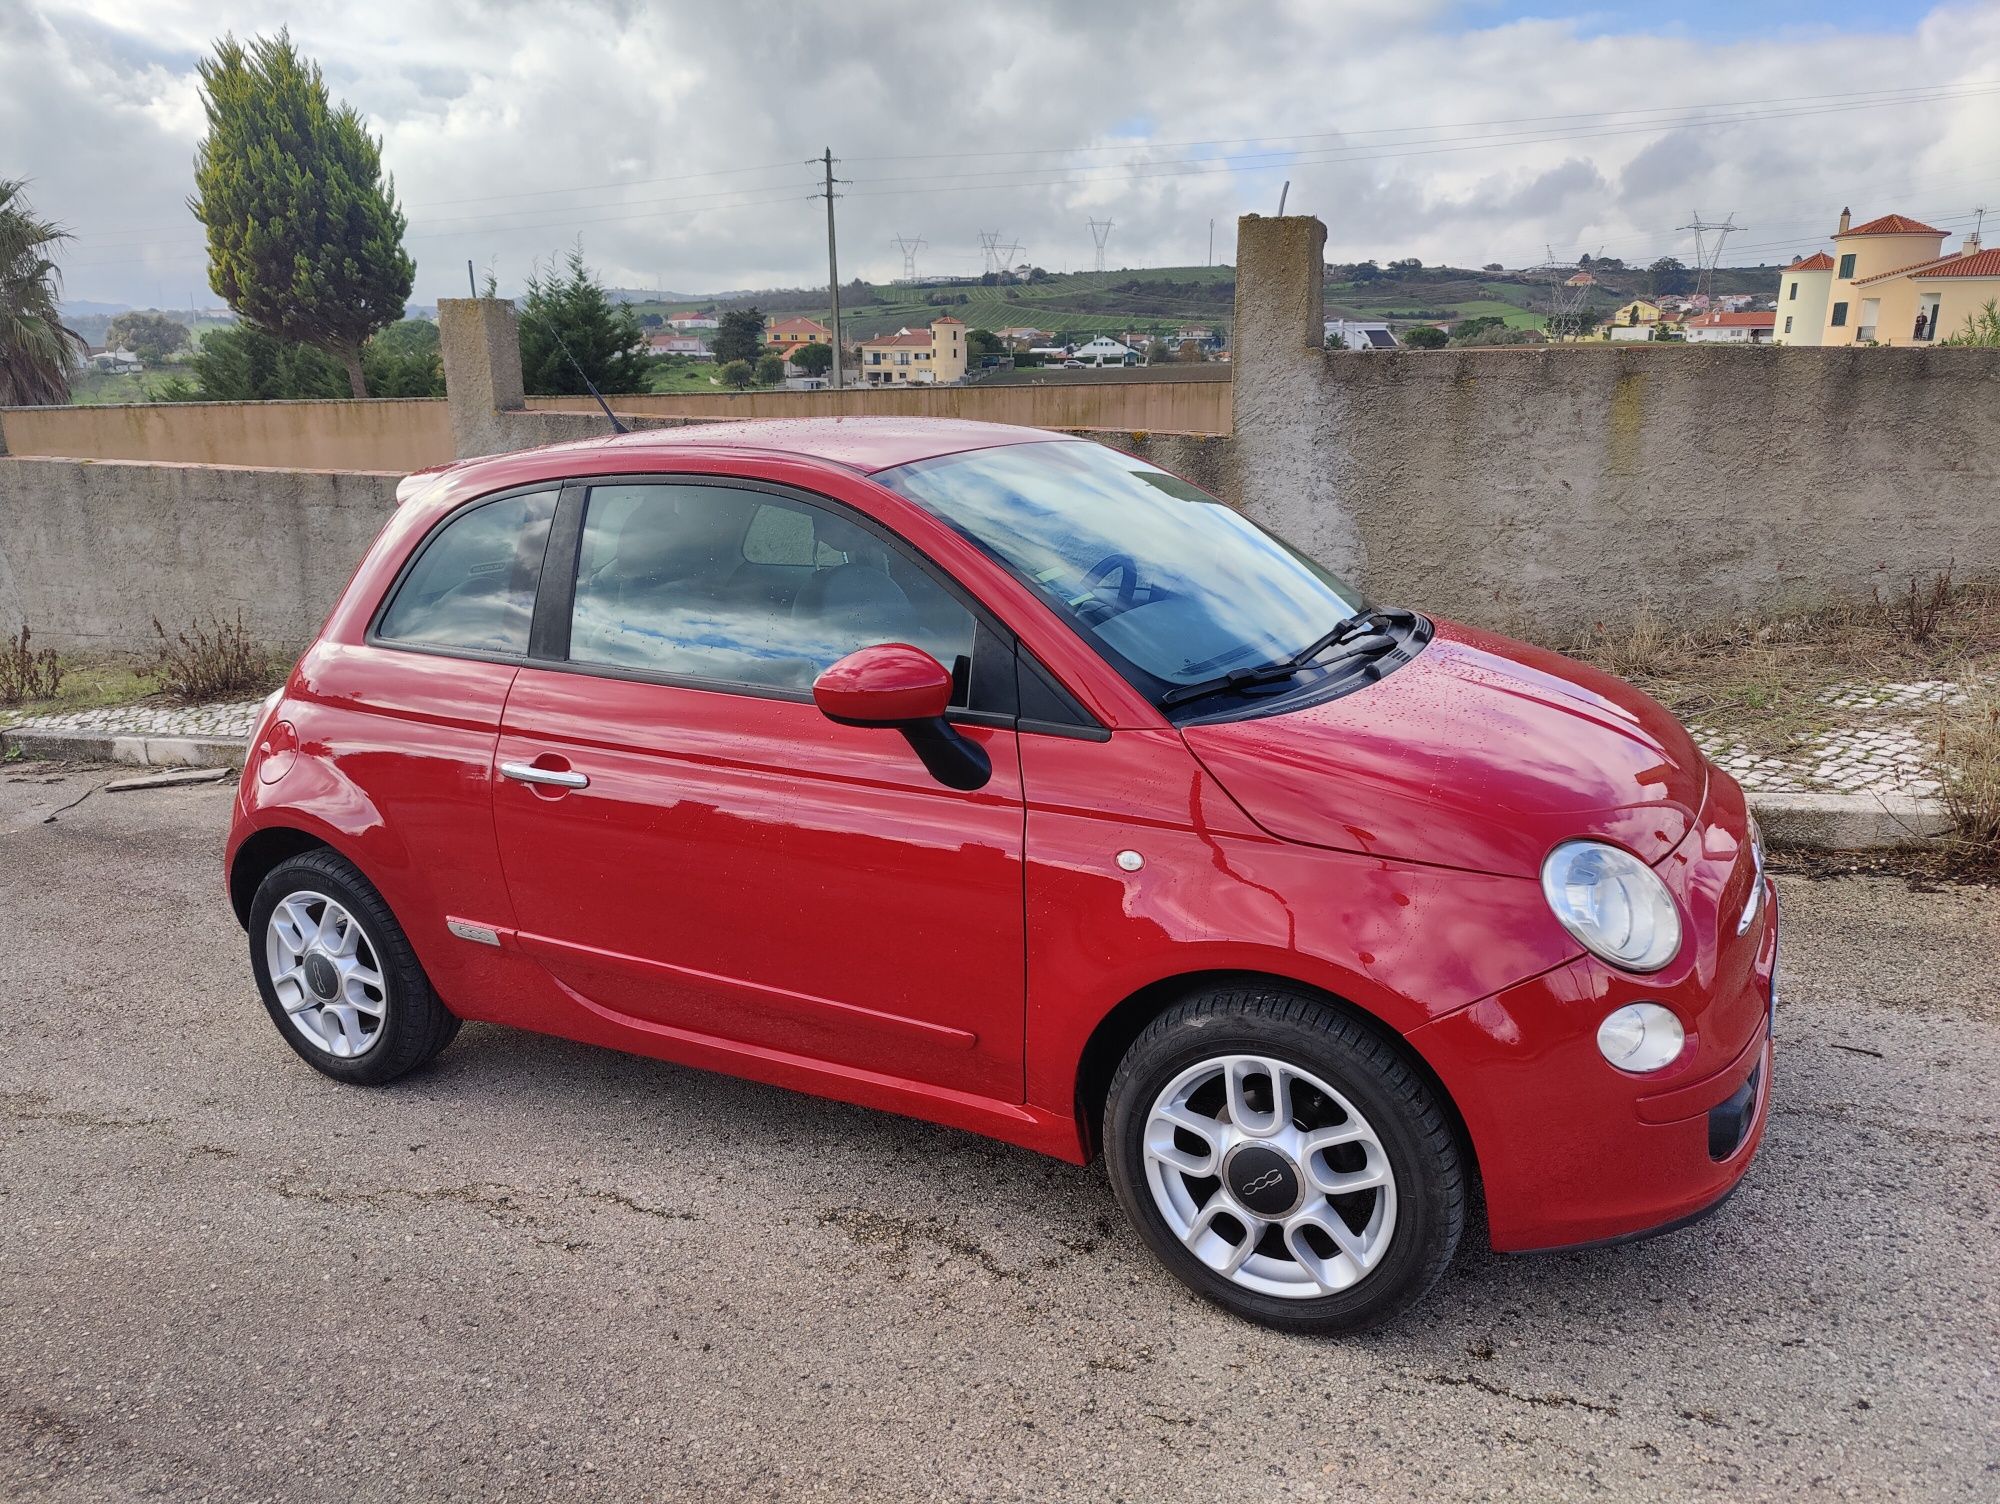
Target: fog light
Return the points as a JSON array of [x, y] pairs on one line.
[[1640, 1037]]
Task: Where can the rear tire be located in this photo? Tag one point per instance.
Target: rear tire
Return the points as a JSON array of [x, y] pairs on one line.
[[1274, 1096], [338, 976]]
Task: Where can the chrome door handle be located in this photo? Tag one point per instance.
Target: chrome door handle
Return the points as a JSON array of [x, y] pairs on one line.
[[527, 772]]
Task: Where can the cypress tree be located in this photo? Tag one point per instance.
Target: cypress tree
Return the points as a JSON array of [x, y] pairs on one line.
[[304, 236]]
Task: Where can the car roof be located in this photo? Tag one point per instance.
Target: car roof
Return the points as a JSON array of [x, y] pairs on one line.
[[864, 444]]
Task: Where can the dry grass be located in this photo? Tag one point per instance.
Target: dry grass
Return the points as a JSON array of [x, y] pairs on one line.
[[1762, 679], [1968, 767], [219, 661], [26, 674]]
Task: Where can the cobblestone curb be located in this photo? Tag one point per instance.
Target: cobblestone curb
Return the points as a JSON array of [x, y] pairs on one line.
[[144, 751], [1815, 821]]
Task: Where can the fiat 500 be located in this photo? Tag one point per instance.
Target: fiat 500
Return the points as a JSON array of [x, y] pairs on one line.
[[1003, 780]]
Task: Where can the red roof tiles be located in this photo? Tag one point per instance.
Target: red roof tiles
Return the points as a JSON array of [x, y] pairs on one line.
[[1978, 264], [1891, 224], [1732, 321], [1820, 262]]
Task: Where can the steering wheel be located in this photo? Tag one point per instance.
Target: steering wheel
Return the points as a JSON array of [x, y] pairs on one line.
[[1127, 570]]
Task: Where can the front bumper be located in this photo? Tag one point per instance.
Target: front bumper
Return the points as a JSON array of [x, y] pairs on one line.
[[1573, 1152]]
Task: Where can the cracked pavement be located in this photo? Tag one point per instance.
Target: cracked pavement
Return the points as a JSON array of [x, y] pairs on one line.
[[543, 1271]]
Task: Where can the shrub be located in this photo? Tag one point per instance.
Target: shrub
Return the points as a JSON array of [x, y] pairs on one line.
[[1981, 328], [26, 674], [213, 662], [1968, 769], [736, 373]]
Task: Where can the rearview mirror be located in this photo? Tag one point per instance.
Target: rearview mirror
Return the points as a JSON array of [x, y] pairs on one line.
[[895, 685]]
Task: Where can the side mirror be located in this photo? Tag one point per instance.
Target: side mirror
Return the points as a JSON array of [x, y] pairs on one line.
[[895, 685], [890, 684]]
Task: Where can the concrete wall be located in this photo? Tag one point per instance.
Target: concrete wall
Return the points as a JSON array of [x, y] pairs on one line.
[[1547, 490], [91, 552], [378, 434], [1541, 491], [1172, 406]]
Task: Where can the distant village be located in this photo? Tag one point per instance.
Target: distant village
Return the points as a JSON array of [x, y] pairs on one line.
[[1885, 282]]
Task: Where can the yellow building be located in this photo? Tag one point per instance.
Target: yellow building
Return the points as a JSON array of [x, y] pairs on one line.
[[1804, 292], [1888, 282], [1638, 311], [787, 335], [920, 357]]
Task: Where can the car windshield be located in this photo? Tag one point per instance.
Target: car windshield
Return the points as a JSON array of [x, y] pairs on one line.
[[1172, 586]]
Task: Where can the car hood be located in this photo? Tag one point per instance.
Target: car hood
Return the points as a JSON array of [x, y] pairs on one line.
[[1480, 753]]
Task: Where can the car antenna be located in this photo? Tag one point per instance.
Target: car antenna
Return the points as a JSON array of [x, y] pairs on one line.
[[589, 386]]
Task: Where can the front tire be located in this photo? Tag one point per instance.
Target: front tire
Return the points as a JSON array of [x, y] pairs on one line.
[[1285, 1160], [338, 976]]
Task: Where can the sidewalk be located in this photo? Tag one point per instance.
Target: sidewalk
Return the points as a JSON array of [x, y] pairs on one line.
[[1863, 783], [153, 733]]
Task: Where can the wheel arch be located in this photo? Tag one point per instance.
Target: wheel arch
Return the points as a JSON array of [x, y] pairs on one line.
[[1128, 1019], [261, 852]]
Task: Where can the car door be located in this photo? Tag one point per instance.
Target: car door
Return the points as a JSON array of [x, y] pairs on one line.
[[691, 845]]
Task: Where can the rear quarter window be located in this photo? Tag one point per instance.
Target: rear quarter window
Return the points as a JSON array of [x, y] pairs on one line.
[[473, 584]]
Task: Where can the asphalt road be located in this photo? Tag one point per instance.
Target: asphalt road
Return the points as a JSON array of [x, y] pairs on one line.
[[541, 1271]]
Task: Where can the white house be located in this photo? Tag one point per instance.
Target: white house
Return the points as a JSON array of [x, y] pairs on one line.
[[692, 346], [1105, 351], [1359, 334], [689, 319], [120, 362], [1730, 328]]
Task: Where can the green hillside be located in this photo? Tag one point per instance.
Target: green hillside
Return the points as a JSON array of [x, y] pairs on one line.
[[1153, 300], [1160, 300]]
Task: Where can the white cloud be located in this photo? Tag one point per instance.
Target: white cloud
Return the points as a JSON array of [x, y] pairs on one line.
[[497, 119]]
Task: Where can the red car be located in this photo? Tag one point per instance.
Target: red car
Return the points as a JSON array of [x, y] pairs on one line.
[[1003, 780]]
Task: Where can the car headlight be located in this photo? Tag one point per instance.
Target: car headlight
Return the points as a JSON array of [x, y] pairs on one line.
[[1613, 903]]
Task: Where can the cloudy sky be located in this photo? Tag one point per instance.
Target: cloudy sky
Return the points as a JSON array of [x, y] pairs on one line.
[[671, 135]]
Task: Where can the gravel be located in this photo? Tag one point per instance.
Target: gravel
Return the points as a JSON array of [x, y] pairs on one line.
[[542, 1271]]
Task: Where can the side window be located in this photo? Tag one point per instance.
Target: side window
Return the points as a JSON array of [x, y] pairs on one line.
[[782, 534], [1846, 266], [473, 584], [1840, 315], [710, 582]]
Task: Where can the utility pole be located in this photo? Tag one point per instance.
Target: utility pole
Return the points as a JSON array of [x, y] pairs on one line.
[[832, 268], [1211, 242]]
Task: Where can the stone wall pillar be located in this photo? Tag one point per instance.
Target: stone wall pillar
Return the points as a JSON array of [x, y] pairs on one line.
[[481, 345], [1291, 451]]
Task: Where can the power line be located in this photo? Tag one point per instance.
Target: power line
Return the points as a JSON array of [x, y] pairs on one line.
[[1405, 129], [668, 209], [1225, 165]]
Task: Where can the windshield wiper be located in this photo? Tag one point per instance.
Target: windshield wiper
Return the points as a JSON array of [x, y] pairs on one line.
[[1362, 635]]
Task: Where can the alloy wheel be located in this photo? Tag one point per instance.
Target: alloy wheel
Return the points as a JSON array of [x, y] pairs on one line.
[[1270, 1177], [326, 974]]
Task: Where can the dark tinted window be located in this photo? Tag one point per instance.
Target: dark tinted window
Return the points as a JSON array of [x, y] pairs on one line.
[[473, 586], [742, 587]]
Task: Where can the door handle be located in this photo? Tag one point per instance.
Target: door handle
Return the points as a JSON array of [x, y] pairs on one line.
[[527, 772]]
